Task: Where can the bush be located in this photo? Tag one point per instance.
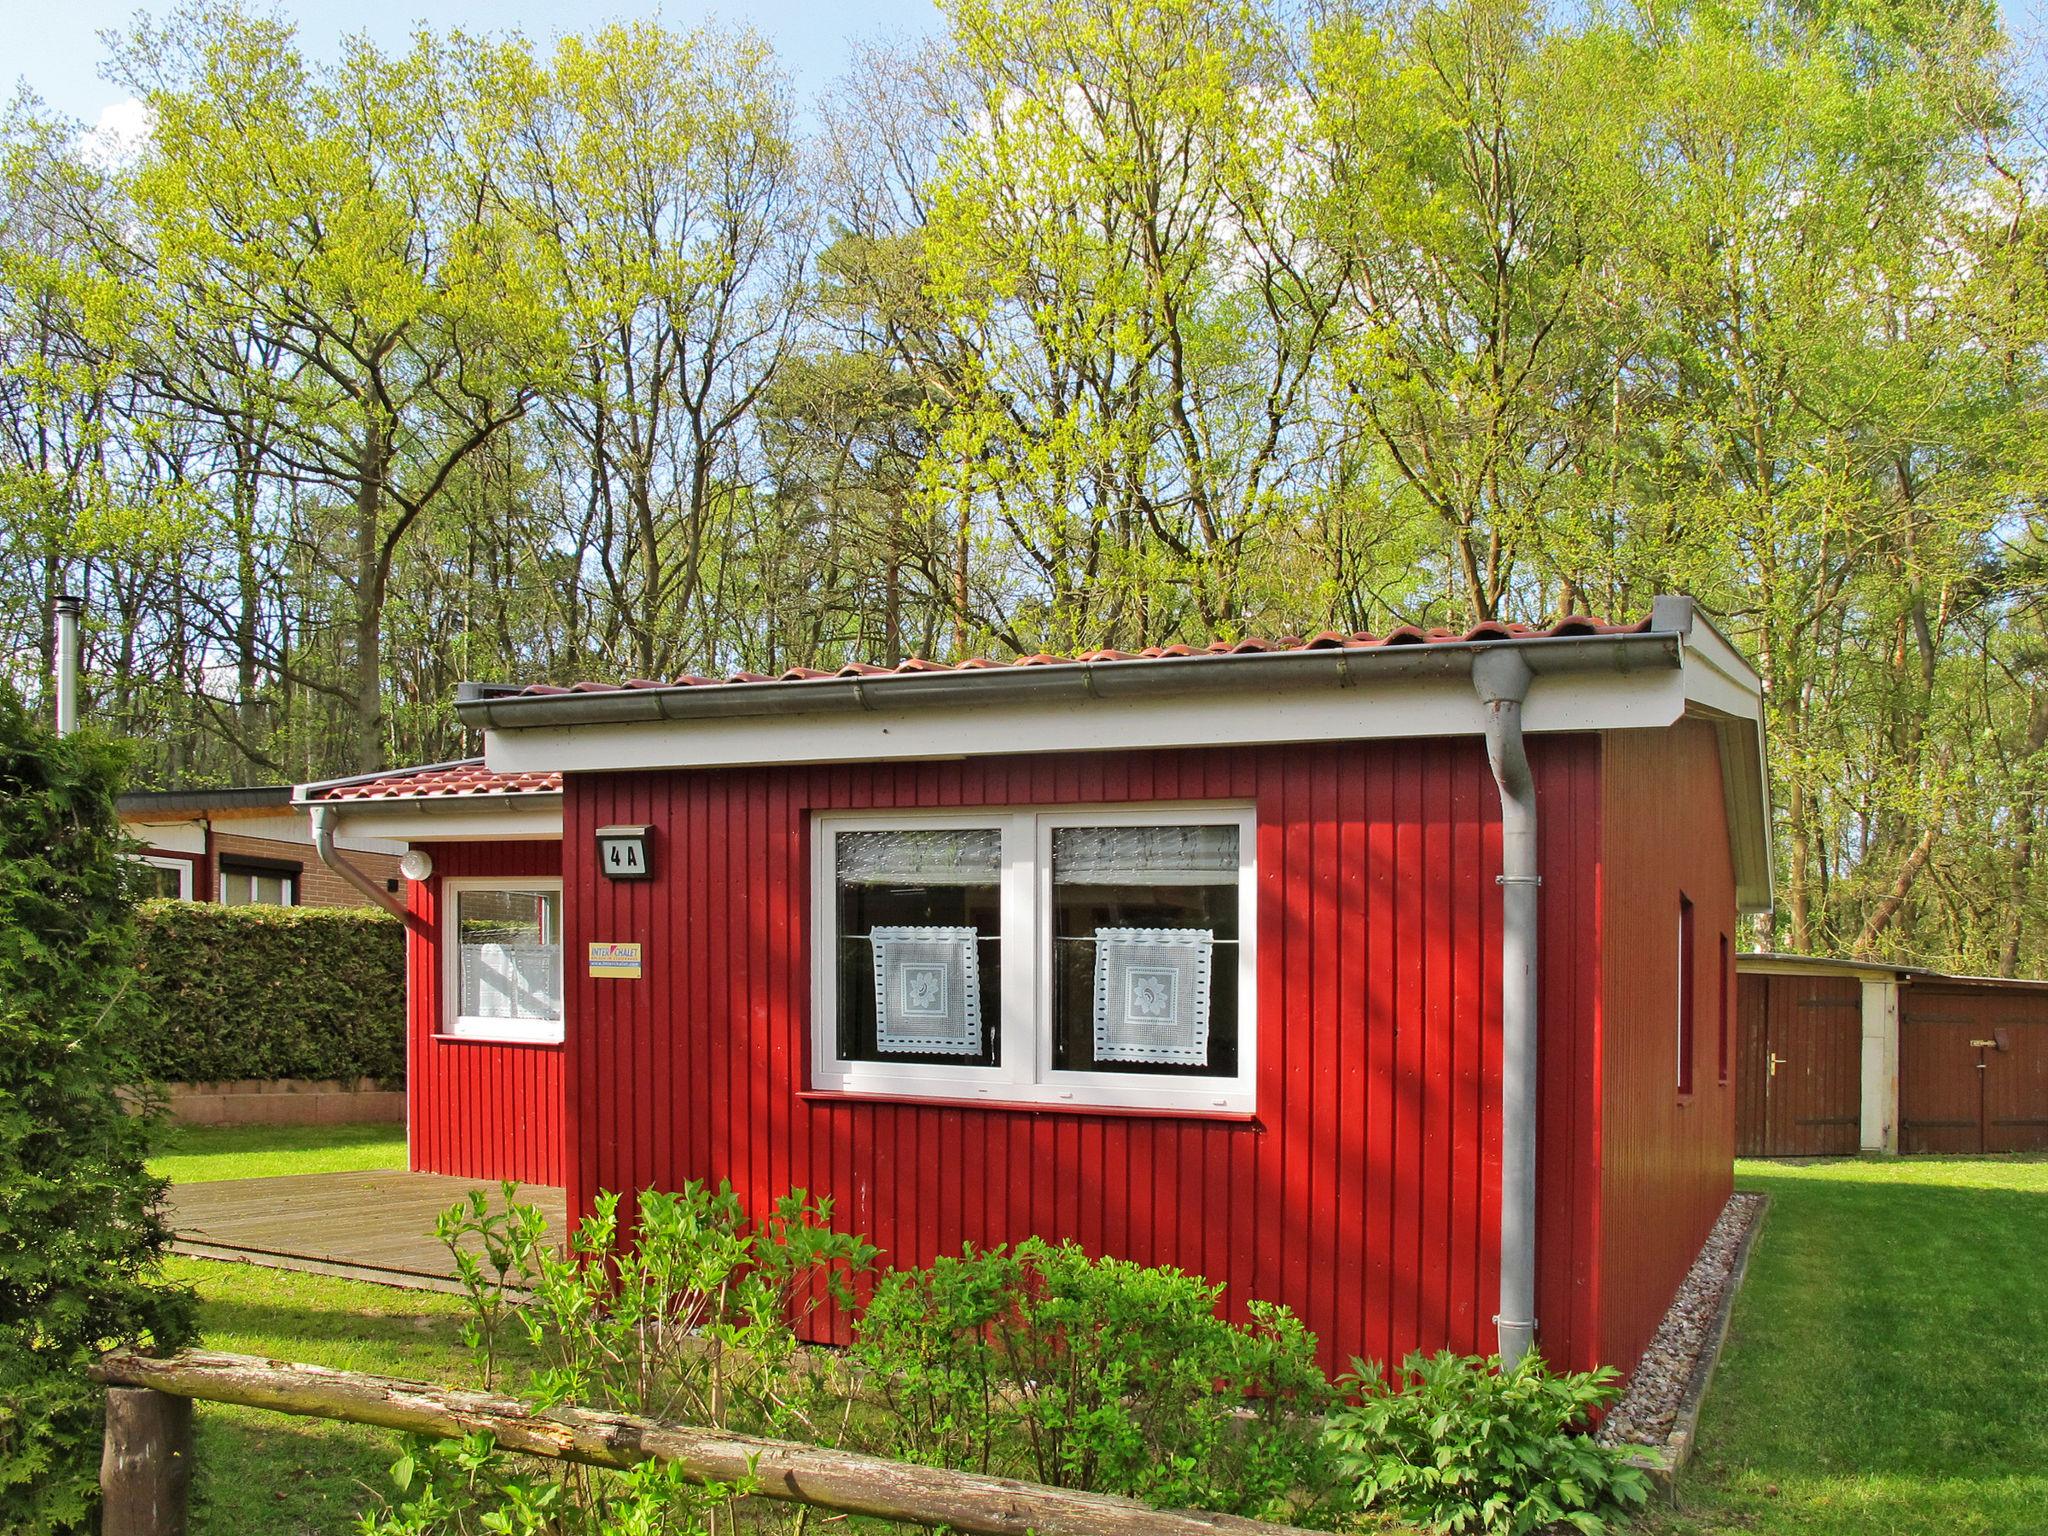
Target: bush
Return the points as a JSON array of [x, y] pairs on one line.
[[694, 1320], [79, 1234], [1457, 1444], [233, 992], [1095, 1373]]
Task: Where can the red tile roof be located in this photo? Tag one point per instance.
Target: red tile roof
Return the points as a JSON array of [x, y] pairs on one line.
[[447, 781], [1328, 640]]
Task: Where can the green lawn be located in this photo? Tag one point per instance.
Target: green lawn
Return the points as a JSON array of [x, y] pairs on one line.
[[286, 1476], [192, 1153], [1887, 1365]]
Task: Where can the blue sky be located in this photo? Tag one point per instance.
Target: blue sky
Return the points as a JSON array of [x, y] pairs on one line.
[[54, 45]]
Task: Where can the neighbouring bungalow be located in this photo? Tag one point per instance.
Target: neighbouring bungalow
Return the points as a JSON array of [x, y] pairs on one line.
[[1386, 977], [244, 847]]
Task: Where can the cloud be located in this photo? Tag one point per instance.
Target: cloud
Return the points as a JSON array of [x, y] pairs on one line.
[[120, 132]]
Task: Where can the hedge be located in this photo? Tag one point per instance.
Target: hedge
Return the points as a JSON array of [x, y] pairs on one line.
[[270, 992]]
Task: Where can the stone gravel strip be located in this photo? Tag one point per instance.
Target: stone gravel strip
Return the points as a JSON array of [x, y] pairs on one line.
[[1662, 1402]]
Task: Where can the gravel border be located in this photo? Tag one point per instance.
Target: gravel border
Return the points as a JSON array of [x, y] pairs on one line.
[[1660, 1410]]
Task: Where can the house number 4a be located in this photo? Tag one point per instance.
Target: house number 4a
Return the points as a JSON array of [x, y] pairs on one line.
[[625, 853]]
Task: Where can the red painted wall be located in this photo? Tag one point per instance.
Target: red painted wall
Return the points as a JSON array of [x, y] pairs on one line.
[[1364, 1195], [1666, 1159], [475, 1108]]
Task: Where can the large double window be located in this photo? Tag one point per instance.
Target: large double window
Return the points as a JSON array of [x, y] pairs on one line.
[[505, 964], [1092, 958]]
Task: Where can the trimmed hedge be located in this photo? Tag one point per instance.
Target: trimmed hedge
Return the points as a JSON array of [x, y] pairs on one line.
[[271, 992]]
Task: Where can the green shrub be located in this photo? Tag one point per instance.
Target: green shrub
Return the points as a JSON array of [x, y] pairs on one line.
[[1043, 1363], [232, 992], [1456, 1444], [79, 1234], [694, 1319]]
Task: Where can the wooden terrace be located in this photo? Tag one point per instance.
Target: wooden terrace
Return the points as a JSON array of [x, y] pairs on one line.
[[376, 1226]]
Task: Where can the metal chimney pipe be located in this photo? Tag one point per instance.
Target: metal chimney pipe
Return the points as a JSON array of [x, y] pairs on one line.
[[67, 609]]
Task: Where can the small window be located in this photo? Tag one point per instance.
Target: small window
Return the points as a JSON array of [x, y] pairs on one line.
[[1144, 920], [250, 883], [1721, 1025], [1097, 957], [158, 877], [1685, 995], [506, 960], [920, 945]]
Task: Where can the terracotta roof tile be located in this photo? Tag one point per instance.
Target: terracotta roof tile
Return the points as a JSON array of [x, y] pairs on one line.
[[447, 782], [1326, 640]]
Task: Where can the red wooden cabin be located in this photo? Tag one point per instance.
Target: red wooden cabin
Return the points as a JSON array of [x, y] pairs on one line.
[[1215, 958]]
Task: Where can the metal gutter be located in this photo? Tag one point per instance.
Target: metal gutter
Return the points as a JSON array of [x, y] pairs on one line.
[[1077, 681]]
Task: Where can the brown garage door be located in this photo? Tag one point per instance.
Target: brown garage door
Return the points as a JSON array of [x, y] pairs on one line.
[[1799, 1082], [1973, 1068]]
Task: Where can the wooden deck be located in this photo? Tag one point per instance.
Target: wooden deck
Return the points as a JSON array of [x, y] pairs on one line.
[[362, 1226]]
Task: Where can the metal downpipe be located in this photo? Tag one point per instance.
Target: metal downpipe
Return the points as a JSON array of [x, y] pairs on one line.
[[323, 844], [1501, 677]]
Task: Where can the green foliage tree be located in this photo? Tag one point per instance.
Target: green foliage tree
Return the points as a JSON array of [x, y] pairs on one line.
[[1084, 325], [80, 1236]]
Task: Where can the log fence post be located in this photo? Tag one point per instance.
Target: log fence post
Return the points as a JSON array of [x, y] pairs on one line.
[[145, 1463]]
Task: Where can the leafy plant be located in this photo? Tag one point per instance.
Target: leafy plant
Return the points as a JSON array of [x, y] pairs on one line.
[[1045, 1363], [80, 1237], [1457, 1444], [690, 1314], [463, 1488]]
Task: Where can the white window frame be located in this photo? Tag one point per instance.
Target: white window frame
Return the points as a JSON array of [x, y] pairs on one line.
[[182, 868], [454, 1024], [1026, 1074]]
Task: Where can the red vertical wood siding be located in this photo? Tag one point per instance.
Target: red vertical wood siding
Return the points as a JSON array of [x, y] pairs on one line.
[[1665, 1156], [1364, 1194], [474, 1108]]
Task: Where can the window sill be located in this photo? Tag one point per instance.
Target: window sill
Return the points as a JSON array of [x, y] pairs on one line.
[[1025, 1106], [551, 1041]]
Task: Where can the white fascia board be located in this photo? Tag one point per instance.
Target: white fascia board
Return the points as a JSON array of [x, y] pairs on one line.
[[299, 829], [1395, 709], [171, 836], [441, 822]]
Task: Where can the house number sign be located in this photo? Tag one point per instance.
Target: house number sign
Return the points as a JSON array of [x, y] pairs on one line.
[[626, 853]]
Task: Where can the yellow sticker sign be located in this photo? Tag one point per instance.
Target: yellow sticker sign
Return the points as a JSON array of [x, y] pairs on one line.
[[616, 960]]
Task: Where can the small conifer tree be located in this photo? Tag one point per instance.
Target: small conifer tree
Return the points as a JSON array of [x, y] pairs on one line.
[[80, 1237]]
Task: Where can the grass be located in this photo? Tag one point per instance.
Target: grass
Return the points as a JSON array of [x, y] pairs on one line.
[[287, 1476], [194, 1153], [1887, 1363]]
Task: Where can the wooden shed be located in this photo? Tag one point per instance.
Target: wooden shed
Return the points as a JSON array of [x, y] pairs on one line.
[[1846, 1056], [1388, 977]]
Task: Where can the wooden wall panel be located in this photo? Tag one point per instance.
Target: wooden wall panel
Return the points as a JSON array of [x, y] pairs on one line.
[[1666, 1158], [474, 1108], [1364, 1193]]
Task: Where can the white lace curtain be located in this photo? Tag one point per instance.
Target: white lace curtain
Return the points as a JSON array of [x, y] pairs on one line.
[[927, 856], [1169, 855], [512, 981]]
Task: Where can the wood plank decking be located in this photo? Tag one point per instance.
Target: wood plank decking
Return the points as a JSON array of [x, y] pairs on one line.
[[363, 1226]]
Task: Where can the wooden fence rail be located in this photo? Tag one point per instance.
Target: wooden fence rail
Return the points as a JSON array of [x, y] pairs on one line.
[[144, 1483]]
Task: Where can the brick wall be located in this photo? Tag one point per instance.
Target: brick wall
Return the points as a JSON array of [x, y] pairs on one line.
[[318, 886]]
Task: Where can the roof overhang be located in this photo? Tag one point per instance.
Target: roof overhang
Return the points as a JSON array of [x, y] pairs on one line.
[[525, 817], [1679, 666]]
